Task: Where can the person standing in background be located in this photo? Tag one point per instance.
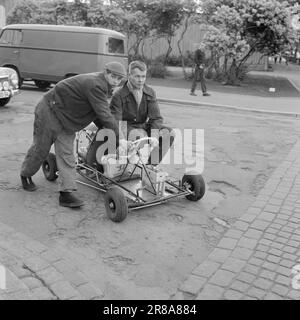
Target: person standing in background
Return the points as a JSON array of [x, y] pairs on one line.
[[199, 60]]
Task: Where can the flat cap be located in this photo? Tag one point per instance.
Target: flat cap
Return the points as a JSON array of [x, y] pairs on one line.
[[116, 68]]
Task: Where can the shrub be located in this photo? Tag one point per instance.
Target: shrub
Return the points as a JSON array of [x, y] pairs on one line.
[[175, 61], [132, 57], [157, 70]]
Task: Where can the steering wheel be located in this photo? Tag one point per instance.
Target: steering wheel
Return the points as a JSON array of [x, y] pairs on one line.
[[139, 143], [133, 155]]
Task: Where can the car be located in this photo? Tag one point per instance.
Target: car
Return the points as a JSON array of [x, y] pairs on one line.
[[9, 85]]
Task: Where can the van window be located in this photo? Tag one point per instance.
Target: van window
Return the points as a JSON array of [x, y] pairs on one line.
[[11, 37], [115, 45], [7, 37], [17, 37]]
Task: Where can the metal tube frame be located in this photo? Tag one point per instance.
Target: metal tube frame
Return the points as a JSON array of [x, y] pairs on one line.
[[139, 202]]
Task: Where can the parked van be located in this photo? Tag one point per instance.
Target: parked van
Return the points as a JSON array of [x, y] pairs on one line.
[[49, 53]]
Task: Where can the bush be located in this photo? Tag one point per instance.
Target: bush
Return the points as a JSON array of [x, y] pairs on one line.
[[175, 61], [157, 70], [242, 72], [132, 57]]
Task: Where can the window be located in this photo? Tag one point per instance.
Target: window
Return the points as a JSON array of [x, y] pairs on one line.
[[7, 37], [115, 45], [17, 37]]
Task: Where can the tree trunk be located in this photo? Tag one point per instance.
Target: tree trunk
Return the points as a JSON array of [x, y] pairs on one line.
[[232, 73], [142, 50], [137, 45], [169, 40], [186, 23]]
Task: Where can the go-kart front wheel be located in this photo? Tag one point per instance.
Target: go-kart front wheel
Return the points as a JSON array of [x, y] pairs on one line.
[[50, 168], [194, 183], [116, 204]]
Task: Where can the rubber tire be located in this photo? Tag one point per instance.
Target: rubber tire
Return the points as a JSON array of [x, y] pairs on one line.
[[70, 75], [197, 185], [116, 198], [50, 167], [4, 101], [41, 84]]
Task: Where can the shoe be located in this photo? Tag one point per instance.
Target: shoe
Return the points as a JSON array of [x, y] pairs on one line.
[[205, 94], [67, 199], [193, 94], [28, 184]]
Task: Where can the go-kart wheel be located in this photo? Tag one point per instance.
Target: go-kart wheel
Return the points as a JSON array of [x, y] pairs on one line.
[[50, 168], [195, 183], [4, 101], [116, 204]]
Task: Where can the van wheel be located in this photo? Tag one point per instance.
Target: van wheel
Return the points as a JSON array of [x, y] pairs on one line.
[[42, 84], [20, 83], [69, 75], [4, 101]]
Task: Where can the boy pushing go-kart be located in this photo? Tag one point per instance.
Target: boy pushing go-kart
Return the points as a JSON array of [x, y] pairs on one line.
[[70, 106]]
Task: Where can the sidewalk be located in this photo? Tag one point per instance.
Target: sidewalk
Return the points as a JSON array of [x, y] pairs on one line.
[[276, 105], [256, 256]]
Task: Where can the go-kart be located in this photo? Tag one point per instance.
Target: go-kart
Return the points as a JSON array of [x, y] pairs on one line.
[[128, 181]]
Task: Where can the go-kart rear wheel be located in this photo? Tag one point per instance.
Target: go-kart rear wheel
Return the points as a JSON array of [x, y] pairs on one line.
[[194, 183], [116, 204], [4, 101], [50, 167]]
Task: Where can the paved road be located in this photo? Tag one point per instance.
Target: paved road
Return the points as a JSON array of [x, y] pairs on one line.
[[52, 253]]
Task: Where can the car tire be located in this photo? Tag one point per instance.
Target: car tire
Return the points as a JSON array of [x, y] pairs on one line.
[[116, 204]]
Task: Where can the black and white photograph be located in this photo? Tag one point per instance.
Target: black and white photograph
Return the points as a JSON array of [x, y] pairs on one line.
[[149, 153]]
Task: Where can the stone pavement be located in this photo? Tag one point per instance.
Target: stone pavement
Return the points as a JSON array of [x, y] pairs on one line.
[[255, 257], [36, 272]]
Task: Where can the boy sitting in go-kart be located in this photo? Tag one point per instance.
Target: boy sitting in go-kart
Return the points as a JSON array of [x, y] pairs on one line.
[[136, 105]]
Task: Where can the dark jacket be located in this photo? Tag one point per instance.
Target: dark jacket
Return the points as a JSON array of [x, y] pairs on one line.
[[79, 100], [124, 107], [199, 57]]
